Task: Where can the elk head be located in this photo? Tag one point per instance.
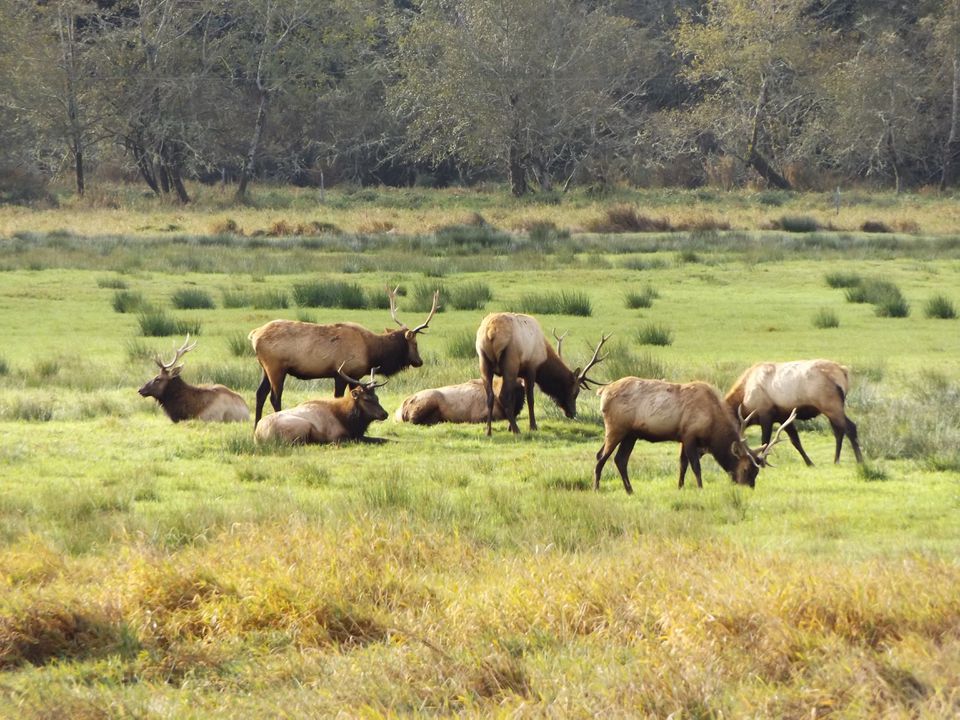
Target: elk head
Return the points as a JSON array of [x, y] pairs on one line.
[[364, 394], [750, 461], [580, 380], [156, 387], [413, 355]]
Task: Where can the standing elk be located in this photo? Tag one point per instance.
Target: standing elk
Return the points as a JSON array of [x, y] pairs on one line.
[[182, 401], [327, 421], [693, 414], [513, 346], [768, 390], [463, 403], [309, 351]]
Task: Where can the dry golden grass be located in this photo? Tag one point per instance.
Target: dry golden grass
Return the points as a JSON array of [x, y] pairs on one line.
[[383, 617]]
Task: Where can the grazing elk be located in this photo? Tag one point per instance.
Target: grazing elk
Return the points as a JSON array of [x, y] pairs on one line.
[[769, 390], [513, 346], [181, 401], [327, 421], [693, 414], [463, 403], [308, 351]]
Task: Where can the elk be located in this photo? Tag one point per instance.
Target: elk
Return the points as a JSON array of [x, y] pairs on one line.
[[182, 401], [513, 346], [463, 403], [308, 351], [693, 414], [327, 421], [768, 390]]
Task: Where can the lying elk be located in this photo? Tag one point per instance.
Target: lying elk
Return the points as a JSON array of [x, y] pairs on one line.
[[513, 346], [181, 401], [463, 403], [327, 421], [308, 351], [769, 390], [693, 414]]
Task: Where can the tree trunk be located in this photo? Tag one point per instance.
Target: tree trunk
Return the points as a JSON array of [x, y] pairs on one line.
[[517, 170], [951, 153], [78, 165], [894, 160], [248, 164], [143, 165], [757, 161], [178, 185], [164, 177]]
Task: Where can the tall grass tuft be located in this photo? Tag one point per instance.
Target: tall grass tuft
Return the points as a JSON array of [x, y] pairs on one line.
[[236, 299], [873, 291], [561, 303], [156, 323], [940, 306], [826, 318], [4, 366], [421, 298], [240, 345], [112, 283], [797, 224], [894, 306], [622, 362], [192, 299], [138, 351], [625, 218], [654, 334], [462, 345], [842, 279], [469, 296], [269, 300], [636, 299], [128, 301], [333, 293]]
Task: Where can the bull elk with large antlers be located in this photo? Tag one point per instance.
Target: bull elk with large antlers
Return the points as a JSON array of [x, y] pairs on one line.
[[182, 401], [693, 414], [769, 390], [309, 351], [327, 421], [512, 345]]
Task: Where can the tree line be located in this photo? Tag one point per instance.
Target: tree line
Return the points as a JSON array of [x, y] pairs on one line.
[[541, 94]]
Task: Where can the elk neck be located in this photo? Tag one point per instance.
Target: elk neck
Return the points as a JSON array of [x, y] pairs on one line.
[[389, 351], [555, 378], [724, 436], [180, 400], [353, 418]]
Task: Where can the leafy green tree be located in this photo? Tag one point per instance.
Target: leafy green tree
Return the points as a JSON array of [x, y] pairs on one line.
[[533, 86]]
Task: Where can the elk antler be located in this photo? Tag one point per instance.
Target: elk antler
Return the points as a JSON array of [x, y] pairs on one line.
[[366, 385], [392, 294], [762, 457], [582, 377], [559, 340], [433, 311], [744, 422], [183, 350]]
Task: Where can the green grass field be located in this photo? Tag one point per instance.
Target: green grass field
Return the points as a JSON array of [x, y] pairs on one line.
[[179, 571]]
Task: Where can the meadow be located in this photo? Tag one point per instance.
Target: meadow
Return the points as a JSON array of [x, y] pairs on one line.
[[155, 570]]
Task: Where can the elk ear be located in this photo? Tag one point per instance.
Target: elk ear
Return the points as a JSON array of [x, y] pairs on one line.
[[737, 449], [174, 372]]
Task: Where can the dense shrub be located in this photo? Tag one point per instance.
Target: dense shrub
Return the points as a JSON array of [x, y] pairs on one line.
[[940, 306], [625, 218], [797, 224]]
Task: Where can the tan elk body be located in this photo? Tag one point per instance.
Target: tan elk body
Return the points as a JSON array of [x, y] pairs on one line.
[[769, 391], [693, 414], [513, 346], [463, 403], [182, 401], [309, 351], [326, 421]]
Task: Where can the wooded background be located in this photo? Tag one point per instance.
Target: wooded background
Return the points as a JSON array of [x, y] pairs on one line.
[[540, 94]]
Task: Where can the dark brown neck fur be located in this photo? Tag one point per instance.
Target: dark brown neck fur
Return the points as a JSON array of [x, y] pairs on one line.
[[182, 401], [351, 416], [389, 351], [555, 378]]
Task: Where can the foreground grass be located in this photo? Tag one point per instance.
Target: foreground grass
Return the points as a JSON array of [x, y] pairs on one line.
[[167, 571]]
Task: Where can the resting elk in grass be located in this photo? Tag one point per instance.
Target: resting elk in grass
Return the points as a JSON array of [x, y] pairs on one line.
[[327, 421], [182, 401], [693, 414], [769, 390], [308, 351], [513, 346], [463, 403]]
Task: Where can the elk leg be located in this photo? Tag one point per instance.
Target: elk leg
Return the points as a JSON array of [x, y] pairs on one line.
[[795, 440], [683, 466], [621, 460], [276, 392], [693, 457], [610, 443], [529, 388], [339, 386], [486, 374], [766, 430], [507, 389], [852, 434], [262, 393]]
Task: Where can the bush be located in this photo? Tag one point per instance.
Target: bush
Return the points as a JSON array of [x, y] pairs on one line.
[[337, 294], [797, 224], [127, 301], [826, 318], [462, 345], [875, 226], [20, 184], [893, 306], [843, 279], [625, 218], [654, 334], [874, 292], [192, 299], [940, 306], [470, 296], [561, 303], [640, 299]]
